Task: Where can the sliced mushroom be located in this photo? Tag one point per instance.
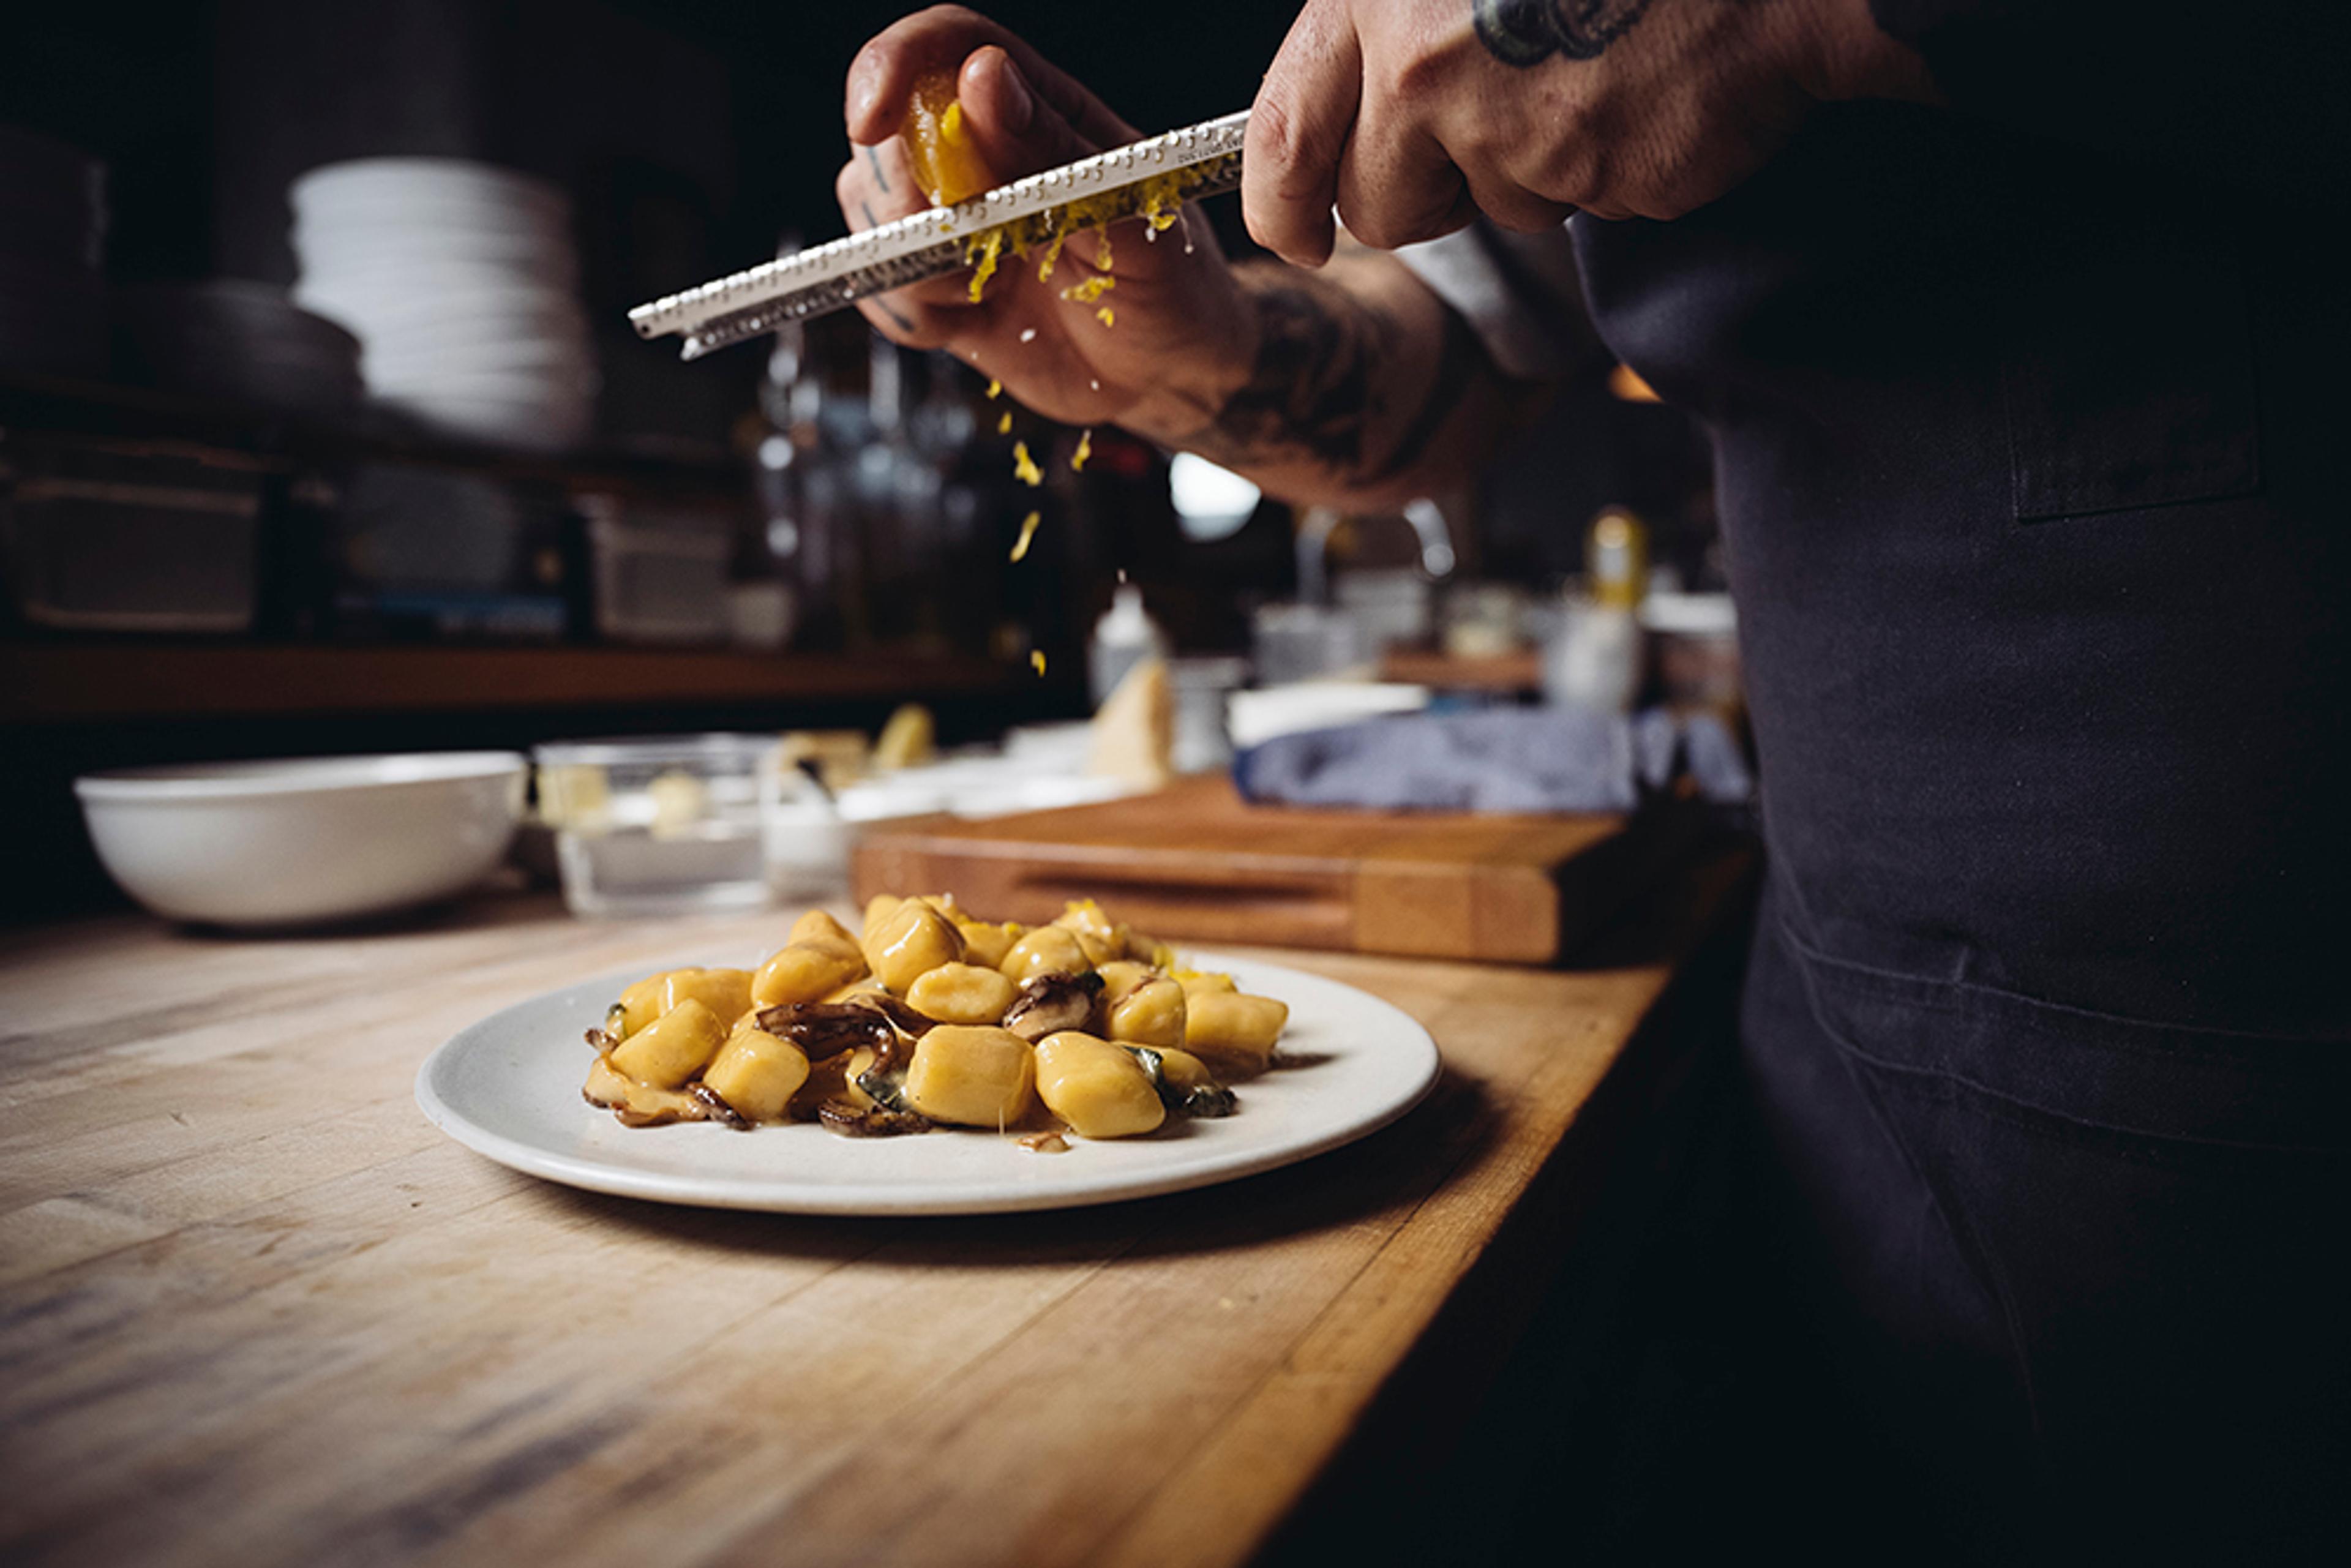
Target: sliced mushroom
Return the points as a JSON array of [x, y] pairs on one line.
[[636, 1104], [1052, 1002], [723, 1114], [824, 1030], [873, 1122], [905, 1019]]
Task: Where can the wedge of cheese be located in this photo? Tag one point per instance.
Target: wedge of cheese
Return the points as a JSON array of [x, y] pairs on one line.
[[1134, 733]]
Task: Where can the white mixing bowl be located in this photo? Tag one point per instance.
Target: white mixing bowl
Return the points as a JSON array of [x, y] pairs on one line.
[[303, 840]]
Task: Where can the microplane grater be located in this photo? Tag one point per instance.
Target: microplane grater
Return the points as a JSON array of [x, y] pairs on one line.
[[927, 243]]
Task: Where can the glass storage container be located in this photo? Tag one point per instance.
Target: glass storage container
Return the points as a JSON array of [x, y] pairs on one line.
[[658, 824]]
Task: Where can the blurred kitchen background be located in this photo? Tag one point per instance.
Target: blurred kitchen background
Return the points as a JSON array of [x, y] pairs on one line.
[[305, 453]]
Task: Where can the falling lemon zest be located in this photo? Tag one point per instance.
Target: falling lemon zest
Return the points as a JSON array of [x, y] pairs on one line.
[[1078, 458], [1106, 316], [995, 389], [984, 248], [1004, 424], [1037, 660], [1028, 532], [1024, 467]]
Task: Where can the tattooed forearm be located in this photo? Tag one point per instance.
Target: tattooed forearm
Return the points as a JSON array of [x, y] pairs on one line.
[[1312, 391], [1345, 396], [1528, 32]]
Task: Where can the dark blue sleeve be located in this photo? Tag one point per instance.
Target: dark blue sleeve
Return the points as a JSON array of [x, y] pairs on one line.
[[2248, 94]]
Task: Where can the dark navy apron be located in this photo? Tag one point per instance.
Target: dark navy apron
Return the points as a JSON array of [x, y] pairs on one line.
[[2030, 480]]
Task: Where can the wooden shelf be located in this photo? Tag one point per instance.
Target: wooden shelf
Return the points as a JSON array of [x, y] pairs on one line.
[[71, 682]]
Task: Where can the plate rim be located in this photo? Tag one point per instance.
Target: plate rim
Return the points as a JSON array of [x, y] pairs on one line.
[[594, 1176]]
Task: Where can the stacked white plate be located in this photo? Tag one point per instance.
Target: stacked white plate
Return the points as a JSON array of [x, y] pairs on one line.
[[52, 239], [462, 283]]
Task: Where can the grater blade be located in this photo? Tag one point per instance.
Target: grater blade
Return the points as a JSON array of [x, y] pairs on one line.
[[933, 243]]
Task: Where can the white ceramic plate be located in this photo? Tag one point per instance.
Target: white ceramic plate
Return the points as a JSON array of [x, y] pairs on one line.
[[508, 1087]]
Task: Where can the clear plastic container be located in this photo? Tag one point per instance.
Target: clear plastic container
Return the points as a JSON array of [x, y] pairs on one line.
[[103, 538], [659, 824], [661, 574]]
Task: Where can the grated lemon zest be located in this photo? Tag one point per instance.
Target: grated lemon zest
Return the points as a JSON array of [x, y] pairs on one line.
[[1024, 467], [1078, 458], [986, 246], [1037, 660], [1028, 532], [1158, 201], [1004, 424]]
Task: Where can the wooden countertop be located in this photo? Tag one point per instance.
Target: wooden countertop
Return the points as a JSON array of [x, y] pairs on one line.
[[255, 1309]]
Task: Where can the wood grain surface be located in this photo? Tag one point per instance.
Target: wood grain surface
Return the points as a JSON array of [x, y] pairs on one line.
[[254, 1310], [1196, 861]]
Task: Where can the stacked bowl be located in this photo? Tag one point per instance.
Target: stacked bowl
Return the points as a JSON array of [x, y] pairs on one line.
[[245, 342], [461, 281], [52, 242]]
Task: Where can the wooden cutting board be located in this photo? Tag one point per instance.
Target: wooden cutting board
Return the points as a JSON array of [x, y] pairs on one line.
[[1195, 862]]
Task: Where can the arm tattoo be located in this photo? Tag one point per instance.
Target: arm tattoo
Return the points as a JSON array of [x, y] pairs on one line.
[[1318, 389], [874, 162], [1528, 32], [1310, 389]]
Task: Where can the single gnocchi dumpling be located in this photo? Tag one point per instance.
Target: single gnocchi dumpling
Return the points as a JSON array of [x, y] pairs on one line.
[[1047, 950], [673, 1048], [1232, 1031], [915, 939], [1098, 1088], [972, 1076], [1150, 1014], [756, 1074], [806, 969], [962, 993]]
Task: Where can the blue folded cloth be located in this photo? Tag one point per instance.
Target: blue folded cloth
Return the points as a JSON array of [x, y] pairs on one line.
[[1504, 759]]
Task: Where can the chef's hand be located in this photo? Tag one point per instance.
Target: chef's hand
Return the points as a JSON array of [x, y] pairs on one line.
[[1413, 116], [1152, 367]]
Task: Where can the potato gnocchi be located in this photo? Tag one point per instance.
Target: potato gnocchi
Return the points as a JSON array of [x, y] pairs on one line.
[[928, 1017]]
